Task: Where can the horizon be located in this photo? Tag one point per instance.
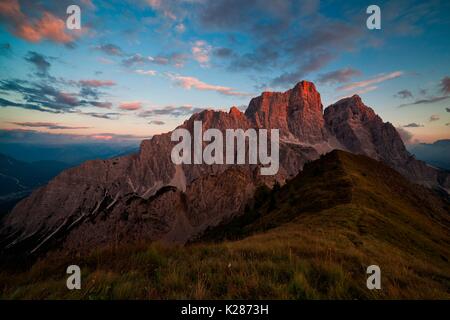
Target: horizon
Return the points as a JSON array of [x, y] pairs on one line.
[[141, 68]]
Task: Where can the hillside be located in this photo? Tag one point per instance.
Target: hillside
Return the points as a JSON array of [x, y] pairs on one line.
[[312, 238]]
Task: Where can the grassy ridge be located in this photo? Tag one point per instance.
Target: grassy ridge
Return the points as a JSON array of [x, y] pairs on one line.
[[310, 239]]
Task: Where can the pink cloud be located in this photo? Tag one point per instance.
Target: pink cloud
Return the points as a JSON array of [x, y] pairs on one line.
[[33, 30], [371, 82], [105, 60], [435, 117], [88, 3], [97, 83], [102, 137], [191, 82], [146, 72], [201, 51], [130, 106], [159, 6]]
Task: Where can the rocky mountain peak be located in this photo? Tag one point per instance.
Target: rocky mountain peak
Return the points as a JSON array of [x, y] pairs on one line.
[[234, 119], [306, 87], [352, 108], [147, 196], [298, 113], [235, 111]]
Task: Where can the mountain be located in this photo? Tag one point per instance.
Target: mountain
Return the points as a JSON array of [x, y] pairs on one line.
[[360, 130], [312, 238], [18, 179], [436, 153], [146, 197], [297, 113]]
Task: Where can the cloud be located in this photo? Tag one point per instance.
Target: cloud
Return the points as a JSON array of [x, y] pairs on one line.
[[378, 79], [97, 83], [165, 7], [445, 85], [235, 15], [40, 62], [404, 19], [263, 57], [201, 52], [131, 106], [157, 122], [136, 59], [105, 61], [33, 28], [364, 90], [223, 52], [39, 137], [170, 111], [180, 28], [404, 94], [425, 101], [47, 125], [100, 104], [146, 72], [286, 35], [67, 99], [312, 63], [44, 97], [175, 59], [434, 117], [38, 96], [405, 135], [90, 89], [413, 125], [102, 137], [194, 83], [5, 49], [108, 116], [110, 49], [338, 76], [29, 106], [116, 137]]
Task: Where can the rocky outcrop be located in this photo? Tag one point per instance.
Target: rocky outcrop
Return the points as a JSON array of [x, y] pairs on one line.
[[297, 113], [146, 196], [360, 130]]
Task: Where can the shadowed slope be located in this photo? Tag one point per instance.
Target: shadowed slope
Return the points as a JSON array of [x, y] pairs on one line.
[[312, 238]]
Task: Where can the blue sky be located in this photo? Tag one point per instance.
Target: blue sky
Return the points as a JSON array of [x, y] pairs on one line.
[[138, 68]]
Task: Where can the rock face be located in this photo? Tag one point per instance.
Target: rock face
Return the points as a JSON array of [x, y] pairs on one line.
[[298, 113], [360, 130], [146, 196]]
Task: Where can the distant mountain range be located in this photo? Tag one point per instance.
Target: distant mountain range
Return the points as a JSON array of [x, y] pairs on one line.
[[436, 154], [40, 163], [71, 154], [145, 197]]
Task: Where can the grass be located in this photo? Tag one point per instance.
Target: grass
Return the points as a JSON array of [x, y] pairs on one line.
[[286, 248]]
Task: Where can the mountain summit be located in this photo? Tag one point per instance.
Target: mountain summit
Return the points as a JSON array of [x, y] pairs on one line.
[[297, 113], [145, 196]]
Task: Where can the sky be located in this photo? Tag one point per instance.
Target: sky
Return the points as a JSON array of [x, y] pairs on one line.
[[139, 68]]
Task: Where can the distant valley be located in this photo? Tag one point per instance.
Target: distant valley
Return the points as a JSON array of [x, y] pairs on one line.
[[25, 167], [436, 154]]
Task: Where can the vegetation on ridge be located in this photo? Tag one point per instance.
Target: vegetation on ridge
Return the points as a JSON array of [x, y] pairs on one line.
[[310, 239]]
